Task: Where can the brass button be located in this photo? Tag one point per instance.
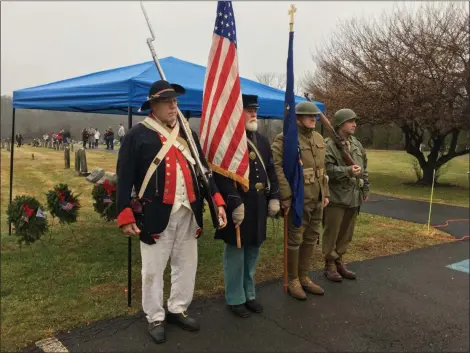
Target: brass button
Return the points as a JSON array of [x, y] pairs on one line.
[[168, 165], [167, 158], [168, 174]]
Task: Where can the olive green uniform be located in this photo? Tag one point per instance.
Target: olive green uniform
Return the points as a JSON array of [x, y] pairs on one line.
[[346, 195], [301, 240]]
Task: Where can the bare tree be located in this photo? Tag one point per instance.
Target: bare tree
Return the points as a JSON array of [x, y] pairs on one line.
[[277, 80], [409, 69]]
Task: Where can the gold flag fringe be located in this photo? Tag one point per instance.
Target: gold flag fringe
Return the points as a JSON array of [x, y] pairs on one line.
[[239, 179]]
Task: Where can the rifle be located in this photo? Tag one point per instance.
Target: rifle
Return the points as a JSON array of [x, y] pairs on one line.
[[202, 174], [337, 138]]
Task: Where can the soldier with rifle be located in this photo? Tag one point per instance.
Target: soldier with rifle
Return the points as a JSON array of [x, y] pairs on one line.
[[301, 240], [346, 165], [166, 215]]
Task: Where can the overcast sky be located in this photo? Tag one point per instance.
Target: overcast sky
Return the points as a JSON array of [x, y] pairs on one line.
[[43, 42]]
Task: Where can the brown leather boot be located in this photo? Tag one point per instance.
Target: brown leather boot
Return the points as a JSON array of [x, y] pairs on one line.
[[311, 287], [305, 260], [343, 271], [330, 271], [294, 288]]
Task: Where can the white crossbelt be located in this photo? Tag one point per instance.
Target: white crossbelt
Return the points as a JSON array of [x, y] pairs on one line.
[[171, 140]]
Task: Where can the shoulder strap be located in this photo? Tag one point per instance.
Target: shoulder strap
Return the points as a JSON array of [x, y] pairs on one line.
[[252, 145], [157, 160]]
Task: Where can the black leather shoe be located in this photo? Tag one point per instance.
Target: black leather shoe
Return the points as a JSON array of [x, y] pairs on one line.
[[156, 330], [254, 306], [183, 321], [240, 310]]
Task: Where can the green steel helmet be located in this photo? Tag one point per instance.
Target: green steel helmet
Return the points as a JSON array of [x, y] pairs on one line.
[[342, 116], [306, 108]]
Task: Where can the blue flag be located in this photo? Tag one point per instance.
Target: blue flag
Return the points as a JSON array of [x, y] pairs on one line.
[[292, 163]]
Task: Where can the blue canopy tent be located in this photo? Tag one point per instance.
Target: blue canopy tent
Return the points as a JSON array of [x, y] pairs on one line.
[[117, 91], [122, 91]]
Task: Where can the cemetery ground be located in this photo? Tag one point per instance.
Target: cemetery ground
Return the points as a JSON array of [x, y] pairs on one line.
[[69, 279]]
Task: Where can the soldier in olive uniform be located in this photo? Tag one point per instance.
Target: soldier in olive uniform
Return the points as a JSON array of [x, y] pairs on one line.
[[249, 211], [302, 240], [349, 187]]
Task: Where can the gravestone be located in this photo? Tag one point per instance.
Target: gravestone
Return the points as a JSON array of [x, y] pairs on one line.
[[67, 158], [109, 176], [81, 167], [95, 175]]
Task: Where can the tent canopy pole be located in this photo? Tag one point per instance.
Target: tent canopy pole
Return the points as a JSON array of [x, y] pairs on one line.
[[11, 160]]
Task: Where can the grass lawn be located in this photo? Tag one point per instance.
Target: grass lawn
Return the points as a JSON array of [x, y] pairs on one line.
[[70, 279], [391, 173]]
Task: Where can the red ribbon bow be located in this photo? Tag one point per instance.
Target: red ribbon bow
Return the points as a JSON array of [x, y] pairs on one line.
[[61, 195], [29, 211], [108, 187]]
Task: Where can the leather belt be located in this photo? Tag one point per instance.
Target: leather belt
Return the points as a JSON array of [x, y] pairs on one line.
[[258, 186]]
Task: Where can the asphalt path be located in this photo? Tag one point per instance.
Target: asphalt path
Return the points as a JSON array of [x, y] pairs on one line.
[[405, 302], [456, 218]]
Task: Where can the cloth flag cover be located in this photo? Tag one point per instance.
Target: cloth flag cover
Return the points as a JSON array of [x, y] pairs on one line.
[[222, 129], [292, 163]]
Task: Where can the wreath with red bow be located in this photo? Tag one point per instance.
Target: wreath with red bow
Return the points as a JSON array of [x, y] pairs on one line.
[[104, 195], [26, 215], [63, 204]]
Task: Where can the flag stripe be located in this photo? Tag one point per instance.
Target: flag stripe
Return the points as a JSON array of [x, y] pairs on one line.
[[223, 122], [222, 89], [222, 130], [211, 78]]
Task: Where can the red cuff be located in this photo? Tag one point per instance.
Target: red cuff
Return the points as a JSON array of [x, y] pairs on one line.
[[219, 200], [125, 217]]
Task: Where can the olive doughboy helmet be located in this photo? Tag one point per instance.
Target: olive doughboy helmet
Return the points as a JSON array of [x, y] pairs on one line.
[[342, 116], [306, 108]]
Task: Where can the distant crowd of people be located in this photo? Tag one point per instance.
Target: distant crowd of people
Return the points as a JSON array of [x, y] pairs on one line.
[[90, 136]]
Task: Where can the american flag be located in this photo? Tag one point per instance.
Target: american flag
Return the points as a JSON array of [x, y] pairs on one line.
[[107, 199], [222, 130], [67, 206]]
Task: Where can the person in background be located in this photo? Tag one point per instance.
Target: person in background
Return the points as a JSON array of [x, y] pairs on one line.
[[110, 138], [84, 137], [19, 139], [91, 137], [121, 133], [97, 137]]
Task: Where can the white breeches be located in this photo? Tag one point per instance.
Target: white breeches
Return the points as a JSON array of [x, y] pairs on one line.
[[179, 242]]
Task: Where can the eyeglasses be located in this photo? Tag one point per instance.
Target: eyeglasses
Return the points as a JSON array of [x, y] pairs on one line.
[[169, 100]]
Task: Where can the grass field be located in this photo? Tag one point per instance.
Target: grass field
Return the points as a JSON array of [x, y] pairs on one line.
[[70, 279], [391, 173]]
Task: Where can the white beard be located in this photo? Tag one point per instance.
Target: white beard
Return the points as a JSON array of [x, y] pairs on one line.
[[253, 126]]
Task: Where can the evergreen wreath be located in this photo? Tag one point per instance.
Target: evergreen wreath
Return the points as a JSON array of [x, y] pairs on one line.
[[104, 195], [26, 214], [63, 204]]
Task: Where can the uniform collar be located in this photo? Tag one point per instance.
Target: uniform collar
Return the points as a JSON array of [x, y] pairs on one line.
[[306, 131], [152, 116]]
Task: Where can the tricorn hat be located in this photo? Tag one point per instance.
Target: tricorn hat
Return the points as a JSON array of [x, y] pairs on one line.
[[250, 101], [162, 89]]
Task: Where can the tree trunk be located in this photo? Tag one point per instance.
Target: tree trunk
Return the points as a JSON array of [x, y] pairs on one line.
[[428, 172]]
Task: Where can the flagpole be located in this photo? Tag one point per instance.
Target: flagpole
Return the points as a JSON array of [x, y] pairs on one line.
[[291, 12]]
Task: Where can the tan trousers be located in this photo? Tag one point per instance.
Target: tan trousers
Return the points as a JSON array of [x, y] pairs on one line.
[[309, 230], [338, 231]]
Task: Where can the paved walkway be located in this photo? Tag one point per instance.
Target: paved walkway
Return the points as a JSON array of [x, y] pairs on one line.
[[418, 212], [413, 301], [410, 301]]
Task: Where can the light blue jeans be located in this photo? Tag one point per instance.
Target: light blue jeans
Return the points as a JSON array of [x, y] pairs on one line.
[[239, 270]]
